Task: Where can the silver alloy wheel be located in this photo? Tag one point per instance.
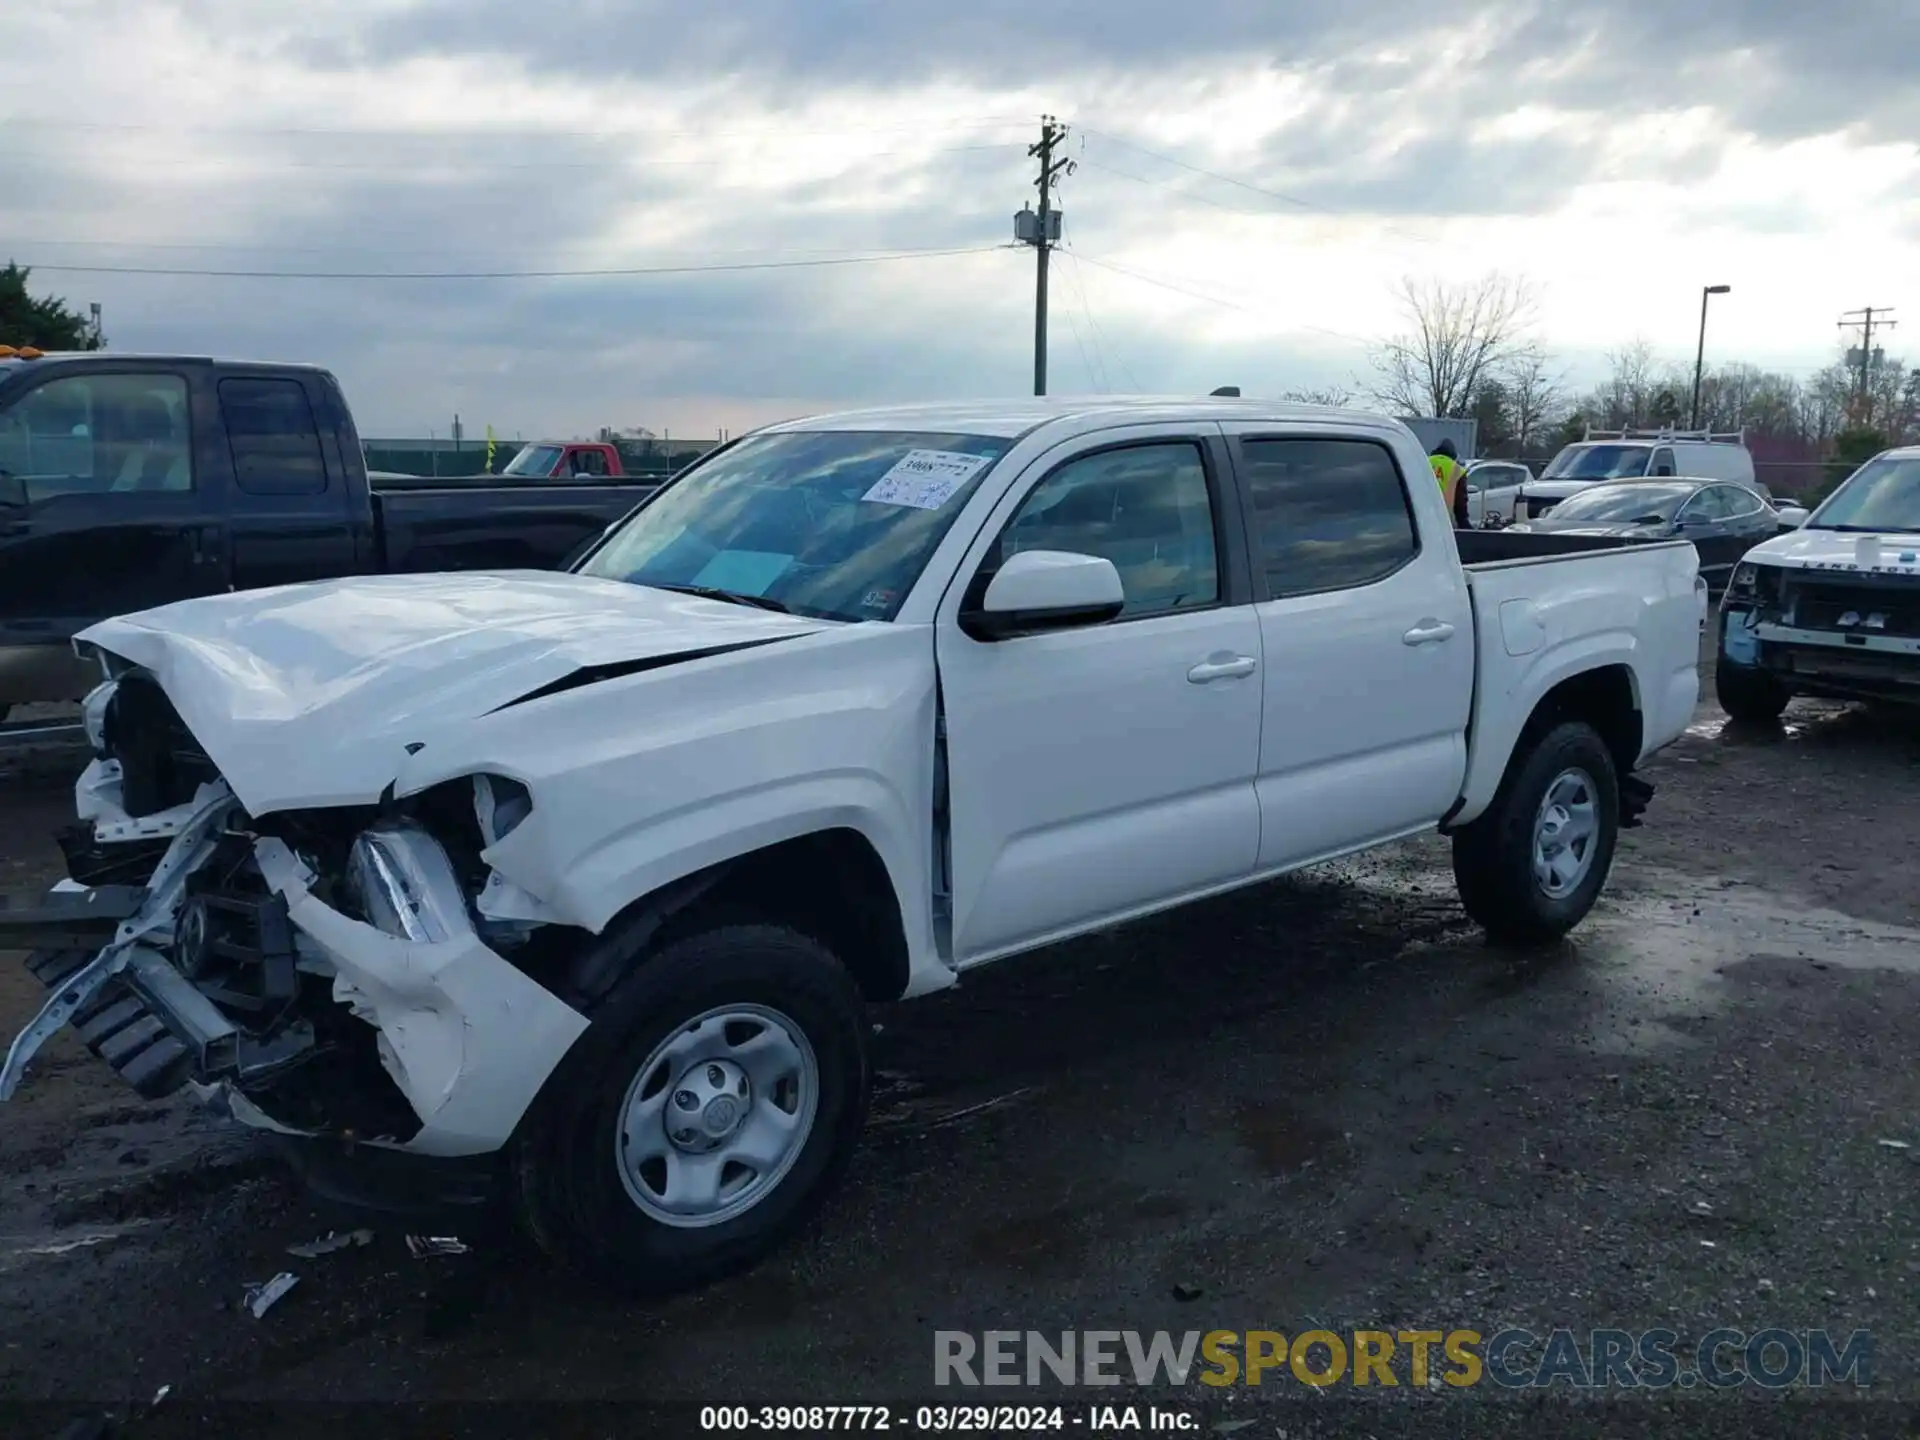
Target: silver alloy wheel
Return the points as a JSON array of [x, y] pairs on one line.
[[1566, 833], [717, 1115]]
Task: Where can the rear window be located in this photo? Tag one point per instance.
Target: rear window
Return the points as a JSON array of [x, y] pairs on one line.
[[274, 440], [1331, 514]]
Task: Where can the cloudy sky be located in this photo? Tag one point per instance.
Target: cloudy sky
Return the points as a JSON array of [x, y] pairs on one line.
[[1254, 176]]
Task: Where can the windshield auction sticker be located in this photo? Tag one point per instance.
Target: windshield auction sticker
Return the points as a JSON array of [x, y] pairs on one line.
[[925, 479]]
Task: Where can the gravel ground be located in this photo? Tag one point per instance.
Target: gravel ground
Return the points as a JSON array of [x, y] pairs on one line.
[[1322, 1104]]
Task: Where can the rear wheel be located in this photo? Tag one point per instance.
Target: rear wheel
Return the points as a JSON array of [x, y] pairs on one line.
[[705, 1114], [1531, 867]]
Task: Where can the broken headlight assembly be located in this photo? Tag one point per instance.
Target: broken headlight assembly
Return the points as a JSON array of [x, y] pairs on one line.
[[407, 883], [404, 884]]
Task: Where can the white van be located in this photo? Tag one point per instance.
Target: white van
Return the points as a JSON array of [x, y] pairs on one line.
[[1632, 454]]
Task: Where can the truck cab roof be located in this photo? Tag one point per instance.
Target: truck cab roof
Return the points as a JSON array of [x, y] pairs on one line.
[[1013, 418], [14, 363]]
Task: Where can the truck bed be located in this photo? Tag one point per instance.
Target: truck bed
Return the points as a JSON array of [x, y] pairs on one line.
[[1539, 618], [1497, 547], [496, 527]]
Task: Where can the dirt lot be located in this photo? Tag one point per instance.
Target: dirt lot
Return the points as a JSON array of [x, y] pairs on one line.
[[1323, 1104]]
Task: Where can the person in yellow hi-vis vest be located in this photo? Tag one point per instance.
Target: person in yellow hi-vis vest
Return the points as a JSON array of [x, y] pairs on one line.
[[1452, 475]]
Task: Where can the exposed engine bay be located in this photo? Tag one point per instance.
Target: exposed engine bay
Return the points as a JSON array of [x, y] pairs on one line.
[[317, 972]]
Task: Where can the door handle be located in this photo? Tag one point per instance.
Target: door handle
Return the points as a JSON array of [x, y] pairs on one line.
[[1207, 671], [1427, 632], [205, 544]]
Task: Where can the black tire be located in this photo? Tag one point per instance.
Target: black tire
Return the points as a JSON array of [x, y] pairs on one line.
[[1493, 856], [567, 1177], [1748, 695]]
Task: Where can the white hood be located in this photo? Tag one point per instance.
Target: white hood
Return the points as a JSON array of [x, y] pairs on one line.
[[309, 695], [1887, 553]]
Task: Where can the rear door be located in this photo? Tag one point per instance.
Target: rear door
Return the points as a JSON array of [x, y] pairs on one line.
[[1750, 520], [1367, 632], [293, 516], [125, 505], [1105, 771], [1706, 520]]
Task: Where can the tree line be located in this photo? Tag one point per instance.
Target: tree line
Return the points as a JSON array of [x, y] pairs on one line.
[[1471, 351]]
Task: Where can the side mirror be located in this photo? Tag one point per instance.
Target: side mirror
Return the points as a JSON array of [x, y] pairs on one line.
[[13, 491], [1042, 590]]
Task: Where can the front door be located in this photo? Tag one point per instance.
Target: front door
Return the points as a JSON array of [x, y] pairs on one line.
[[117, 517], [1107, 771], [1368, 639]]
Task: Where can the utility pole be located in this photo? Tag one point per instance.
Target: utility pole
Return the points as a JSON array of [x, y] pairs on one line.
[[1865, 323], [1041, 229]]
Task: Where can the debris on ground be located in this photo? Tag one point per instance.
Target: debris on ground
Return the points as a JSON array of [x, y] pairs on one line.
[[1895, 1145], [967, 1111], [1187, 1293], [333, 1240], [262, 1298], [422, 1246]]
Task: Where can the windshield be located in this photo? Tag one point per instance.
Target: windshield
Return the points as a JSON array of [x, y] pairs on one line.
[[535, 460], [834, 524], [1883, 494], [1597, 462], [1622, 503]]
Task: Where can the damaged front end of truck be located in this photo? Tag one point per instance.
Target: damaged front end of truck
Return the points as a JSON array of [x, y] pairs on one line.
[[323, 972]]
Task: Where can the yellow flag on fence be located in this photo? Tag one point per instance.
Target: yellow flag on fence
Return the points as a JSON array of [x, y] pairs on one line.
[[489, 449]]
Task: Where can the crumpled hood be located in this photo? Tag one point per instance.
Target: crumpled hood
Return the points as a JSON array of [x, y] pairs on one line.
[[309, 695], [1898, 551]]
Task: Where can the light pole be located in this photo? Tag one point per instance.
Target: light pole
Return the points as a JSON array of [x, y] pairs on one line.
[[1700, 355]]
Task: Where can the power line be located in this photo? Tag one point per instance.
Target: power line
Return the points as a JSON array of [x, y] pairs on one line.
[[629, 132], [1296, 201], [1178, 289], [244, 247], [1073, 328], [1169, 186], [511, 274], [1101, 343], [431, 164]]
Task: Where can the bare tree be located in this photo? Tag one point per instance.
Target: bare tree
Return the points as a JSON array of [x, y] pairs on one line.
[[1458, 336], [1337, 396], [1536, 393]]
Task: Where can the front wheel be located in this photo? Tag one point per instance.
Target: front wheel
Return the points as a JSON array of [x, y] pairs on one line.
[[1748, 695], [707, 1111], [1531, 867]]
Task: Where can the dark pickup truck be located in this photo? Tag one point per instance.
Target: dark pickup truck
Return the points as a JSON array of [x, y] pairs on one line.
[[132, 481]]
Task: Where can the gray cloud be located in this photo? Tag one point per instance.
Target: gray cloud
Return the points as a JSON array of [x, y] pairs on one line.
[[1779, 67], [574, 353]]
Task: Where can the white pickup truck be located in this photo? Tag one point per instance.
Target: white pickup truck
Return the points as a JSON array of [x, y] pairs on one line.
[[579, 883]]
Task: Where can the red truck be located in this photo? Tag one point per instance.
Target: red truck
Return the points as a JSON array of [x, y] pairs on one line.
[[566, 460]]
